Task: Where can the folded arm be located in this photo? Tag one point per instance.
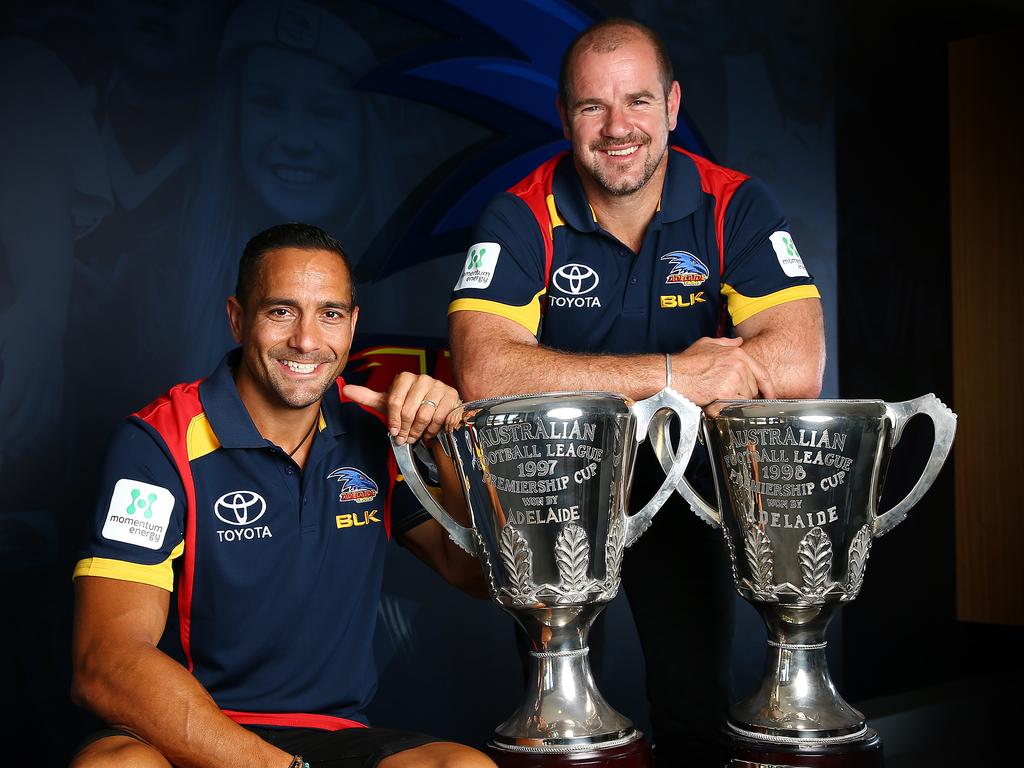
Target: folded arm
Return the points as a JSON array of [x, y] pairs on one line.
[[495, 356], [788, 340]]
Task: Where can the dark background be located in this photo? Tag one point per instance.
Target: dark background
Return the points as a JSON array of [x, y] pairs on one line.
[[112, 282], [895, 331]]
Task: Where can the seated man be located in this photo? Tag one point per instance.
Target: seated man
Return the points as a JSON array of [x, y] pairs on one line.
[[262, 497]]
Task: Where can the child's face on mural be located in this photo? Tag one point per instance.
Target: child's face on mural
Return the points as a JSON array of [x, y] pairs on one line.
[[300, 134]]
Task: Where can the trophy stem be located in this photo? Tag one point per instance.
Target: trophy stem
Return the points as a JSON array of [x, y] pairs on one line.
[[563, 710], [797, 698]]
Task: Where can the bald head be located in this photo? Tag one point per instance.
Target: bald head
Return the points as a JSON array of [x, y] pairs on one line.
[[607, 36]]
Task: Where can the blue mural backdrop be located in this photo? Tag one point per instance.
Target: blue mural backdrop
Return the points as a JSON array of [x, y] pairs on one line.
[[144, 142]]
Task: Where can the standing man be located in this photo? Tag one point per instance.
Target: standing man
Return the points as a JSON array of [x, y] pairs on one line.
[[588, 272], [263, 498]]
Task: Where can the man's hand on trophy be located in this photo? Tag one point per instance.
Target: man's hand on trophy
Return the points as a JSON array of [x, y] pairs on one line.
[[718, 369], [414, 406]]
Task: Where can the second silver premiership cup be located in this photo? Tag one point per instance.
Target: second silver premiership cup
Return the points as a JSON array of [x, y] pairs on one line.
[[546, 479], [799, 483]]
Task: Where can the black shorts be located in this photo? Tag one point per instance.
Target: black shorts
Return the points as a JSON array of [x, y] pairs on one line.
[[347, 748]]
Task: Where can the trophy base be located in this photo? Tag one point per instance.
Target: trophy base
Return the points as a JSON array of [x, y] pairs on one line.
[[635, 754], [742, 752]]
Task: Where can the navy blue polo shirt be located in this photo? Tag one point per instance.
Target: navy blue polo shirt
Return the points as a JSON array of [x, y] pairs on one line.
[[276, 570], [717, 252]]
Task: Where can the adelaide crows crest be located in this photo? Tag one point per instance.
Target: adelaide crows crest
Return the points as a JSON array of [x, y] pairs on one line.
[[355, 485], [687, 269]]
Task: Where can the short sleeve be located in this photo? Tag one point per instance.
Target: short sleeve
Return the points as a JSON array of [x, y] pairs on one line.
[[406, 510], [763, 267], [138, 522], [504, 270]]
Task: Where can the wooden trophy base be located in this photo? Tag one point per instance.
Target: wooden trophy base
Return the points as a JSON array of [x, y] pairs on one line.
[[750, 753], [636, 754]]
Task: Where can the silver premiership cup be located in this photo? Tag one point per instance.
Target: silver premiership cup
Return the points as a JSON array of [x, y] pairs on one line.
[[546, 479], [798, 484]]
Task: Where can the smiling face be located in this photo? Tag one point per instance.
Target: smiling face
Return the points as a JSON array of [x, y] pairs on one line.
[[300, 130], [618, 116], [295, 328]]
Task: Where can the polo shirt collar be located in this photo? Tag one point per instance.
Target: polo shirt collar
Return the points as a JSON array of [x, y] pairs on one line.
[[570, 199], [224, 408], [680, 197], [682, 194], [230, 419], [330, 409]]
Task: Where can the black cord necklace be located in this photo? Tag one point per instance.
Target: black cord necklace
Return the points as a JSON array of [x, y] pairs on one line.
[[304, 439]]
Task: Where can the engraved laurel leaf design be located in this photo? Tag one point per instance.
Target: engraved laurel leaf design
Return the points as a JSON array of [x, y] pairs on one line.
[[815, 553], [860, 548], [760, 557], [572, 556], [518, 561]]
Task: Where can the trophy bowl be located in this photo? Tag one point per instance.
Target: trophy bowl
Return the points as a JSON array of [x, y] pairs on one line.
[[546, 480], [798, 484]]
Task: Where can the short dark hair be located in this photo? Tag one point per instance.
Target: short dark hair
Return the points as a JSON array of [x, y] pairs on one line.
[[292, 235], [603, 38]]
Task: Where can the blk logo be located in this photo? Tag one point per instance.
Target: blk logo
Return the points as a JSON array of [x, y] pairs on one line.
[[240, 507], [575, 279], [356, 519]]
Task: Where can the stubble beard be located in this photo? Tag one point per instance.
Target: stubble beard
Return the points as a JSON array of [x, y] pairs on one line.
[[626, 187], [299, 399]]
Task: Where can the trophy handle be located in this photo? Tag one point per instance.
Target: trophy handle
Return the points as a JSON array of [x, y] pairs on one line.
[[944, 421], [645, 412], [459, 534], [666, 455]]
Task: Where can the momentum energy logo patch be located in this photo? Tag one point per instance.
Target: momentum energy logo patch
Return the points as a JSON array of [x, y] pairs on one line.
[[481, 262], [789, 257], [355, 485], [139, 514]]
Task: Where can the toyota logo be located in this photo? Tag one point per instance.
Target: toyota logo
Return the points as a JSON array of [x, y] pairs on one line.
[[240, 507], [575, 279]]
